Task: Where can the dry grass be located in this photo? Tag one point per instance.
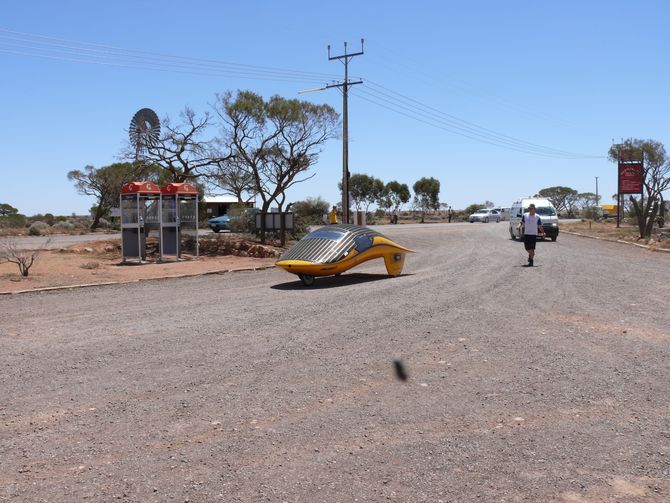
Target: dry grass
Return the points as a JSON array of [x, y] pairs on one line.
[[609, 230]]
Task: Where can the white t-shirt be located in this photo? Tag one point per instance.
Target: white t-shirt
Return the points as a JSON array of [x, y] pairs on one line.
[[530, 224]]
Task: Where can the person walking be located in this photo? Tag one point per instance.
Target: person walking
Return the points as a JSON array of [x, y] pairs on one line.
[[531, 227], [449, 214], [332, 216]]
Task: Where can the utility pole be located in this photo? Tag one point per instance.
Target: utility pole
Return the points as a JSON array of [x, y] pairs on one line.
[[596, 191], [345, 58]]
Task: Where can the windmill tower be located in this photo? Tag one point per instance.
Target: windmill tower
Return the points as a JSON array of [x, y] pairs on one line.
[[144, 131]]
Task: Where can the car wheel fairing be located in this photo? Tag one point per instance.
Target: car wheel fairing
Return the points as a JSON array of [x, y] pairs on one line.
[[307, 279], [394, 263]]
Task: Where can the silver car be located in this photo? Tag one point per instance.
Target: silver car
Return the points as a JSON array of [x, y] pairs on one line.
[[485, 215]]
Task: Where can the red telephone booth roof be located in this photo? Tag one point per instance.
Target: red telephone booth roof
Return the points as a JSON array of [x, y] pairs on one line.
[[140, 187], [179, 188]]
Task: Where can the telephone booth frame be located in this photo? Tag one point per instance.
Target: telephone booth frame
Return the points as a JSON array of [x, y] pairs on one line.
[[178, 212], [137, 216]]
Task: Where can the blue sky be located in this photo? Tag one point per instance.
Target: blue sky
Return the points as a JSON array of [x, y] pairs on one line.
[[569, 76]]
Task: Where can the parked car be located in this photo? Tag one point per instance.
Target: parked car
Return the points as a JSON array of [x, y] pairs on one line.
[[485, 215], [220, 223]]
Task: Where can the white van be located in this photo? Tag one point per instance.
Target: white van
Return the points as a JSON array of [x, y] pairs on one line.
[[545, 211], [504, 214]]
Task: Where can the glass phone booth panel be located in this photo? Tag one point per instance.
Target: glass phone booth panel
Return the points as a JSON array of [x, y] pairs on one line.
[[150, 208], [179, 220], [188, 223], [131, 237], [169, 225]]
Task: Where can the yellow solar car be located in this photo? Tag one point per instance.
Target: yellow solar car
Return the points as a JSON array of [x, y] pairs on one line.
[[333, 249]]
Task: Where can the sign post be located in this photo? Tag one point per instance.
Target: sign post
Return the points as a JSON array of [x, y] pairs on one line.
[[630, 176]]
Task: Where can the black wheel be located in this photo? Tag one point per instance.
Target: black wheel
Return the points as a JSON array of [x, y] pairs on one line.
[[497, 220], [554, 238], [307, 279], [216, 230]]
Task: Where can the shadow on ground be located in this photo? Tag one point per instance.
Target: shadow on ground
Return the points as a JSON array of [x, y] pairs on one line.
[[335, 281]]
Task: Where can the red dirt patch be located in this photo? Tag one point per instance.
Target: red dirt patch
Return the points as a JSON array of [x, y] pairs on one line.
[[98, 262]]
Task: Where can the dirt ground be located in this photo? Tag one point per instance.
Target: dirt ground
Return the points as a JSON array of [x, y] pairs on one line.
[[98, 262], [609, 230], [525, 385]]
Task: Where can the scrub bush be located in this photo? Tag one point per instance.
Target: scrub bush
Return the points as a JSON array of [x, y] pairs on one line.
[[38, 228]]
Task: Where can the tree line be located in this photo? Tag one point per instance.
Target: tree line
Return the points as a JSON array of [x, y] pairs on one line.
[[366, 190]]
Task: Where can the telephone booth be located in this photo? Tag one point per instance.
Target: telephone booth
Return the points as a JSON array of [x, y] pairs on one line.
[[140, 208], [179, 220]]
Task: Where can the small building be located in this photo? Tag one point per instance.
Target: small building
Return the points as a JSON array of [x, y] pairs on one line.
[[215, 206]]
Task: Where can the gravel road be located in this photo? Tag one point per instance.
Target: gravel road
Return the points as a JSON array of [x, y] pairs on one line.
[[525, 384], [56, 241]]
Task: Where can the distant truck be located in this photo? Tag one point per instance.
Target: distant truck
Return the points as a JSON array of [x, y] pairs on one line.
[[609, 210]]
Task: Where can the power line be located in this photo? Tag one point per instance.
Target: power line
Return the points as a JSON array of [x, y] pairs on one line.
[[467, 88], [27, 44], [414, 108], [33, 45], [154, 68], [433, 123], [434, 120]]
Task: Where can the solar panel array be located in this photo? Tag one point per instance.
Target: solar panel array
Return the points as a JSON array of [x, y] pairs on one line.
[[325, 250]]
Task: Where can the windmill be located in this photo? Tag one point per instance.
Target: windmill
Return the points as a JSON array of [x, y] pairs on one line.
[[144, 130]]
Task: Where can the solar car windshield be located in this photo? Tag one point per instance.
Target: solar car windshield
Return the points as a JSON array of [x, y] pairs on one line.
[[325, 234], [330, 244]]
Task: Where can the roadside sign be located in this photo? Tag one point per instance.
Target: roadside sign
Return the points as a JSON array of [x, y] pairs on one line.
[[631, 178]]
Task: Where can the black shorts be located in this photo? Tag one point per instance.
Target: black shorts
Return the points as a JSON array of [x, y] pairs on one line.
[[529, 241]]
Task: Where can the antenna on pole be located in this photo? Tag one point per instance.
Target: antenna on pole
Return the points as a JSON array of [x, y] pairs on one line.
[[345, 58]]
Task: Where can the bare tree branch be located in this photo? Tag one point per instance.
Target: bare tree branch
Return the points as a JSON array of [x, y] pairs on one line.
[[24, 259]]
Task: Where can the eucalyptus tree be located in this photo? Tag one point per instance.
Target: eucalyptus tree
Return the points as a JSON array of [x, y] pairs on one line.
[[427, 195], [275, 142]]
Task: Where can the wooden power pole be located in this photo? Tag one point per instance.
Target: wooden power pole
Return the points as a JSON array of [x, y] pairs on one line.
[[345, 58]]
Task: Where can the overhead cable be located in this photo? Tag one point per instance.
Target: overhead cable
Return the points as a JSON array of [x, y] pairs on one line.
[[27, 44], [411, 104]]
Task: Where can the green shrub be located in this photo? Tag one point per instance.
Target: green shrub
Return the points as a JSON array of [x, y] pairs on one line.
[[14, 221], [591, 212], [38, 228], [62, 226], [311, 210]]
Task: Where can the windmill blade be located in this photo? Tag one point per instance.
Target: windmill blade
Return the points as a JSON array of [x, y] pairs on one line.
[[144, 129]]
